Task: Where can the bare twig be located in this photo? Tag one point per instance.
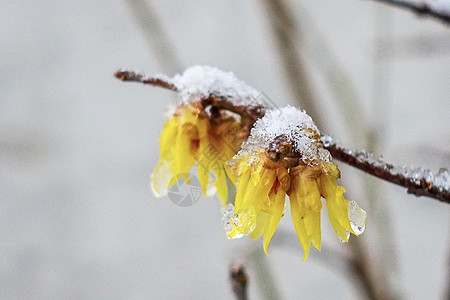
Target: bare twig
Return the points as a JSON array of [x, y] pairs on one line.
[[417, 186], [248, 114], [422, 8], [239, 281], [131, 76]]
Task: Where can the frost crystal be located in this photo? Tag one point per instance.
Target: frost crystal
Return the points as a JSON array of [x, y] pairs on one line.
[[230, 218], [441, 180], [293, 124], [201, 81]]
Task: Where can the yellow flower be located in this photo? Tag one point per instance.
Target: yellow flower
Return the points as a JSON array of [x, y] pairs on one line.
[[192, 135], [284, 156]]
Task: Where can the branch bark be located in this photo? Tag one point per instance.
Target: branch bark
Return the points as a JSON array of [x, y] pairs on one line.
[[421, 8], [239, 281], [418, 186]]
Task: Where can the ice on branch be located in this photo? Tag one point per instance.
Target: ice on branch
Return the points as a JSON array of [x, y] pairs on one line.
[[419, 181]]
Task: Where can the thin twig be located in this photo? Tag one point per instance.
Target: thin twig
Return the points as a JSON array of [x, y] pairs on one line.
[[421, 8], [248, 114], [163, 81], [417, 186], [239, 281]]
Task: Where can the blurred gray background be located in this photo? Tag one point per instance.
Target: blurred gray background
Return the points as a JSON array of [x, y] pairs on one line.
[[77, 146]]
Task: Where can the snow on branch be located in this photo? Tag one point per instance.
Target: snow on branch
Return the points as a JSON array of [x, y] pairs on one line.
[[227, 92], [418, 181], [439, 10]]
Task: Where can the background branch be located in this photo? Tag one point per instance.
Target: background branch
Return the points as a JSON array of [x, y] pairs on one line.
[[131, 76], [422, 8], [156, 35], [239, 281]]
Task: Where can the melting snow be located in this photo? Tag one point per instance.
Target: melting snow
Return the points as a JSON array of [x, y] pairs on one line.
[[201, 81], [297, 126]]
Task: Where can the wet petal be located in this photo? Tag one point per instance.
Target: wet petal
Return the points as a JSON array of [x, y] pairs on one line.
[[273, 219], [299, 224], [259, 227], [337, 205], [221, 186]]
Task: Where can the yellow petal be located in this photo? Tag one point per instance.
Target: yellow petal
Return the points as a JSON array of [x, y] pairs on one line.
[[203, 177], [252, 193], [221, 186], [313, 206], [259, 227], [305, 208], [167, 138], [233, 179], [299, 224], [337, 205], [183, 159], [241, 189], [312, 224], [273, 219]]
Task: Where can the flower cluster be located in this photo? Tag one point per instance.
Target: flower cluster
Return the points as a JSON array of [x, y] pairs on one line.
[[281, 156]]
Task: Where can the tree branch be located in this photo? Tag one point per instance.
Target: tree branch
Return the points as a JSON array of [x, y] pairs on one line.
[[417, 181], [161, 81], [421, 8], [239, 281]]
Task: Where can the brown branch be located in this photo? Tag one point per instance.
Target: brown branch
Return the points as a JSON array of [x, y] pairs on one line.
[[419, 186], [248, 115], [239, 281], [131, 76], [359, 159], [421, 9]]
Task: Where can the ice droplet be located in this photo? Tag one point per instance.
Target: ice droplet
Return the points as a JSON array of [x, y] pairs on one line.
[[227, 217], [348, 236], [327, 140], [244, 223], [357, 217]]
